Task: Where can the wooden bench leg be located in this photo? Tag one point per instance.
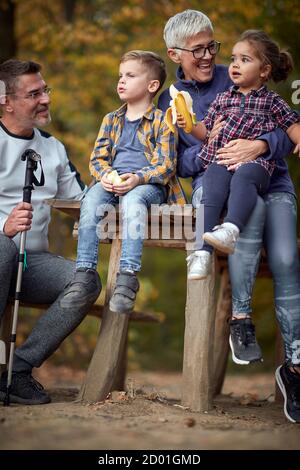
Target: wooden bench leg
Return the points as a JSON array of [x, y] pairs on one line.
[[5, 332], [111, 342], [121, 369], [198, 364], [221, 346]]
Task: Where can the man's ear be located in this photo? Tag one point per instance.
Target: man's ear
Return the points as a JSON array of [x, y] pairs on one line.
[[153, 86], [174, 56]]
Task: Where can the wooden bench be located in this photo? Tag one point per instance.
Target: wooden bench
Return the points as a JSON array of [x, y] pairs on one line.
[[206, 328]]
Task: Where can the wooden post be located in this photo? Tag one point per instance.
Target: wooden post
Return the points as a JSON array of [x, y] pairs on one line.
[[221, 343], [103, 368], [5, 332], [198, 365]]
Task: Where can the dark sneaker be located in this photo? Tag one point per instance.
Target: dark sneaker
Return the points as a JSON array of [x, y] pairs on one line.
[[243, 344], [123, 298], [289, 384], [84, 289], [24, 389]]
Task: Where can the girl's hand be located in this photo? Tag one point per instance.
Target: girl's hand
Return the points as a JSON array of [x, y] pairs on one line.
[[218, 124], [181, 122], [297, 150]]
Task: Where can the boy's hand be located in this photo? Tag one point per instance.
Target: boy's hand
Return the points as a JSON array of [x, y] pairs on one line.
[[130, 181], [297, 150], [107, 185], [181, 122]]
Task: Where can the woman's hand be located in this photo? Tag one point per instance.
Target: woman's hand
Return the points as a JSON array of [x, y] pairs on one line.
[[240, 151]]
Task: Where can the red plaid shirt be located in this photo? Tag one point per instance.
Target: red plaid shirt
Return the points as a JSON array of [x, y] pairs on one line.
[[246, 117]]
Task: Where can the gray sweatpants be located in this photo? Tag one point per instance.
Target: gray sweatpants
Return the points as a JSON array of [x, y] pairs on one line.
[[43, 282]]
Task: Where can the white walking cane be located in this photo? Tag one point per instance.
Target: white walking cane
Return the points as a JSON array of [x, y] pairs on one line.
[[32, 159]]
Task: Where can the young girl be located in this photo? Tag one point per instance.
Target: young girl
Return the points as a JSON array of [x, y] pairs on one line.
[[249, 110]]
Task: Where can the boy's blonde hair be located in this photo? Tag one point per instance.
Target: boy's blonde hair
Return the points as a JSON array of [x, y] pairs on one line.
[[154, 64]]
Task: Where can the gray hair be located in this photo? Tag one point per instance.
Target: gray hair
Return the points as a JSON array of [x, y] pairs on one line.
[[185, 25], [12, 69]]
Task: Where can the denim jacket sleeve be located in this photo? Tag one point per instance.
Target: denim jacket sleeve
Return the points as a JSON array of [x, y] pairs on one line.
[[188, 162], [280, 145]]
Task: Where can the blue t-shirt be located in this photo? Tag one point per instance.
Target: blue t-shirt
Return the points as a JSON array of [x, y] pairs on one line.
[[130, 156]]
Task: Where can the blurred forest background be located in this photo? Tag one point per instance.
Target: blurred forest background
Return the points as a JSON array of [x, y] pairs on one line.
[[79, 44]]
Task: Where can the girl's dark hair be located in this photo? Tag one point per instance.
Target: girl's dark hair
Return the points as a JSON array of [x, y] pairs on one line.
[[269, 53]]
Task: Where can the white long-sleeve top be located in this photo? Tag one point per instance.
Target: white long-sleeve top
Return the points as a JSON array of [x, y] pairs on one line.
[[61, 181]]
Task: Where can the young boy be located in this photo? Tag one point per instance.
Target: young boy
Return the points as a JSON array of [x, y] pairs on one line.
[[134, 141]]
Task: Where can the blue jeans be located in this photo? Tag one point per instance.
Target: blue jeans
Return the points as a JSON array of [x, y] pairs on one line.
[[134, 209], [272, 222]]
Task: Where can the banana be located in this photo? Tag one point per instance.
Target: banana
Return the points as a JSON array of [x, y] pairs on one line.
[[181, 103], [114, 178]]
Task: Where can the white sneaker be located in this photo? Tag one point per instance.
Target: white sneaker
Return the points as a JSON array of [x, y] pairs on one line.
[[223, 237], [199, 264]]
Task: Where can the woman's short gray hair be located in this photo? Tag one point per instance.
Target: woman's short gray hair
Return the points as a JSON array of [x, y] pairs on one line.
[[185, 25]]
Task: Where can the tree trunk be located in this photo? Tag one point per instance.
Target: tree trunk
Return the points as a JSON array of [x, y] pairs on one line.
[[7, 30], [69, 9]]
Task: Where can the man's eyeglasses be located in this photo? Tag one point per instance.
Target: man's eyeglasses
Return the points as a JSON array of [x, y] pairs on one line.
[[198, 53], [34, 95]]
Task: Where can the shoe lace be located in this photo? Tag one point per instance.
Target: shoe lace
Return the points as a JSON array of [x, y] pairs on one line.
[[36, 384], [245, 333], [192, 257], [228, 232], [33, 382]]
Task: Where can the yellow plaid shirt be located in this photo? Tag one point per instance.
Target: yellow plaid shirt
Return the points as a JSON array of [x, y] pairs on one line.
[[159, 148]]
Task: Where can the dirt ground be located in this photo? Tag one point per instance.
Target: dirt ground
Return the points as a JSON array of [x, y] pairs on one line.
[[149, 416]]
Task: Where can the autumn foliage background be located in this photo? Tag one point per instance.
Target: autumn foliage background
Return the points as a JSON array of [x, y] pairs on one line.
[[79, 44]]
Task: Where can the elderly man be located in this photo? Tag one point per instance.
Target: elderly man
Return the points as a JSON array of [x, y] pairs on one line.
[[25, 105], [190, 43]]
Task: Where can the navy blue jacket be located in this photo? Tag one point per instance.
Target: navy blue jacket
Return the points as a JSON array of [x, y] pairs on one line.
[[203, 94]]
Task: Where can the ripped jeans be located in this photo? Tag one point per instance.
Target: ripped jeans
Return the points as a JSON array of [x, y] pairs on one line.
[[273, 223]]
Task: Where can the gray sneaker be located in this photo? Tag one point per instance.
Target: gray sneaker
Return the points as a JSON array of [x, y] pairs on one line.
[[199, 265], [223, 237], [242, 341], [289, 384], [23, 389], [84, 289], [123, 298]]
